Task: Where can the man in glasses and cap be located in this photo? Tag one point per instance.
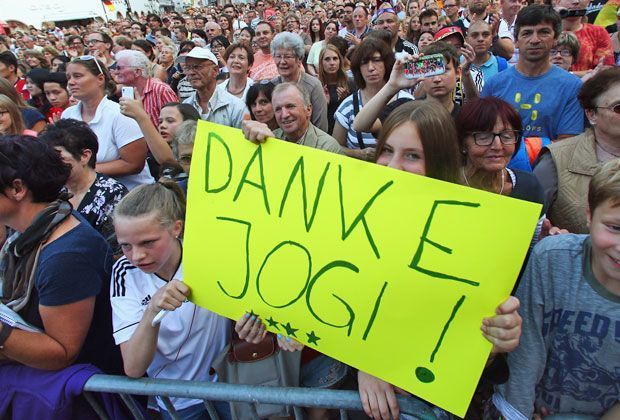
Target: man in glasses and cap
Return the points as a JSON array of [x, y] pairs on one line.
[[214, 105]]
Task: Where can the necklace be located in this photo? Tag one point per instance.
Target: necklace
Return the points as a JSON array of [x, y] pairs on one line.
[[237, 93], [501, 190], [606, 151]]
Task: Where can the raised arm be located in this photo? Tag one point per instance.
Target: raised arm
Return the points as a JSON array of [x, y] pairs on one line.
[[160, 150]]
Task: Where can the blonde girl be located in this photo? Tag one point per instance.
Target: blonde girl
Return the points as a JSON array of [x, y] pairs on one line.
[[148, 279]]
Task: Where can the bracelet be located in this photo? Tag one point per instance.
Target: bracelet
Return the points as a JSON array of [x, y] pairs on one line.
[[4, 334]]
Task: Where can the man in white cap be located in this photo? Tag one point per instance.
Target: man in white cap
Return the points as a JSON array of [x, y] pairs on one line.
[[214, 105]]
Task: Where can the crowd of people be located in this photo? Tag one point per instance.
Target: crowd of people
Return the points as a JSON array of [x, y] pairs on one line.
[[97, 127]]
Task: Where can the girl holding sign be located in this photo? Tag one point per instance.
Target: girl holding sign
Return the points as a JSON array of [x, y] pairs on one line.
[[147, 281], [419, 137]]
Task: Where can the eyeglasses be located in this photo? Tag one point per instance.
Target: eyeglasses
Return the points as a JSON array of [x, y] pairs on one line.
[[93, 41], [90, 57], [563, 53], [615, 108], [121, 68], [486, 138], [192, 67], [284, 57]]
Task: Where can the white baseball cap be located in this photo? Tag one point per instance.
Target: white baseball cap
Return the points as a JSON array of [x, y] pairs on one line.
[[200, 53]]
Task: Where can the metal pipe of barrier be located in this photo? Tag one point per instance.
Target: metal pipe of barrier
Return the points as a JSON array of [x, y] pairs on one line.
[[218, 391]]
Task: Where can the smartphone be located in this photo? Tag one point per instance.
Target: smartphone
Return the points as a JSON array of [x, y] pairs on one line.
[[425, 66], [127, 92]]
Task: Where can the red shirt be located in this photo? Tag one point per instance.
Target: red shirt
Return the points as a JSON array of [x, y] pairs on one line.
[[594, 43], [156, 95], [20, 87]]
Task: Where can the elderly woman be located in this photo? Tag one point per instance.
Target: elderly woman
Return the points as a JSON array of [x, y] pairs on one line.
[[167, 55], [288, 53], [489, 132], [239, 59], [566, 51], [565, 168]]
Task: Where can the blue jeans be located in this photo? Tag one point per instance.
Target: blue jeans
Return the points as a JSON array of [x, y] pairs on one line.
[[199, 412]]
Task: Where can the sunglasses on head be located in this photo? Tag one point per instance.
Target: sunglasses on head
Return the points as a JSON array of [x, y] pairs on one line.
[[91, 57]]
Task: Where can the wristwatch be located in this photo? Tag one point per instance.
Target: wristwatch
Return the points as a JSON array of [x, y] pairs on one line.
[[5, 332]]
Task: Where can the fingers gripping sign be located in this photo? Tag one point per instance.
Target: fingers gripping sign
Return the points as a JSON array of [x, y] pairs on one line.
[[250, 328], [504, 329]]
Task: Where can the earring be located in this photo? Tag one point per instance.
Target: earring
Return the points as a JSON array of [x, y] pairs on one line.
[[463, 151]]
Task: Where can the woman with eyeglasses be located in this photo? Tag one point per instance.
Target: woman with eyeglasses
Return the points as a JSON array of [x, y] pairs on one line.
[[371, 63], [565, 168], [327, 34], [219, 44], [489, 132], [100, 45], [122, 148]]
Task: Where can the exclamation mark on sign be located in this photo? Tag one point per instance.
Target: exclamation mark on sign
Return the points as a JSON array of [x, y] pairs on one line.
[[424, 374]]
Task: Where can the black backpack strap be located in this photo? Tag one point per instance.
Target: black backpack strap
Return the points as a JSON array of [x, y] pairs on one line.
[[356, 109]]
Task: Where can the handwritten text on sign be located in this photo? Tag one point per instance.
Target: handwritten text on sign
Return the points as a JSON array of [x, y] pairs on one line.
[[386, 271]]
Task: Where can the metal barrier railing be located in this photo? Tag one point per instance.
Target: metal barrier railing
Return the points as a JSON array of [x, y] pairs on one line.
[[341, 400]]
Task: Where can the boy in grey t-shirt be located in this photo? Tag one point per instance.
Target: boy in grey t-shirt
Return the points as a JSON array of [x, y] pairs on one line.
[[568, 360]]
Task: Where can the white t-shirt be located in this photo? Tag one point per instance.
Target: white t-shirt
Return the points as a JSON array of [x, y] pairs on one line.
[[190, 337], [113, 130]]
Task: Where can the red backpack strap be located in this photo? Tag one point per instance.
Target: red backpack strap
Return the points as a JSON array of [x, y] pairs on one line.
[[533, 145]]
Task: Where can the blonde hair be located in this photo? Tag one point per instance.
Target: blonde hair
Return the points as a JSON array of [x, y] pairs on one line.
[[605, 185], [164, 197], [17, 122]]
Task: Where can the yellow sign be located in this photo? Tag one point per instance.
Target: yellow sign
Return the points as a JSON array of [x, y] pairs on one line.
[[386, 271]]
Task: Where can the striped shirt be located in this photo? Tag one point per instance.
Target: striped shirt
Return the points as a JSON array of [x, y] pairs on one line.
[[156, 94], [345, 116]]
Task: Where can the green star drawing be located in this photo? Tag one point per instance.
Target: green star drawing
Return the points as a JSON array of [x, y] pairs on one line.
[[252, 313], [290, 331], [312, 339], [273, 323]]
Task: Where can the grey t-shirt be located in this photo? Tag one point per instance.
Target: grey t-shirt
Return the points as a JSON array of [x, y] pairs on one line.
[[568, 359]]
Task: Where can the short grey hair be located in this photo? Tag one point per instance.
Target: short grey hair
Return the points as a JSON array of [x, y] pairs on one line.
[[288, 40], [136, 59], [186, 131], [305, 96]]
